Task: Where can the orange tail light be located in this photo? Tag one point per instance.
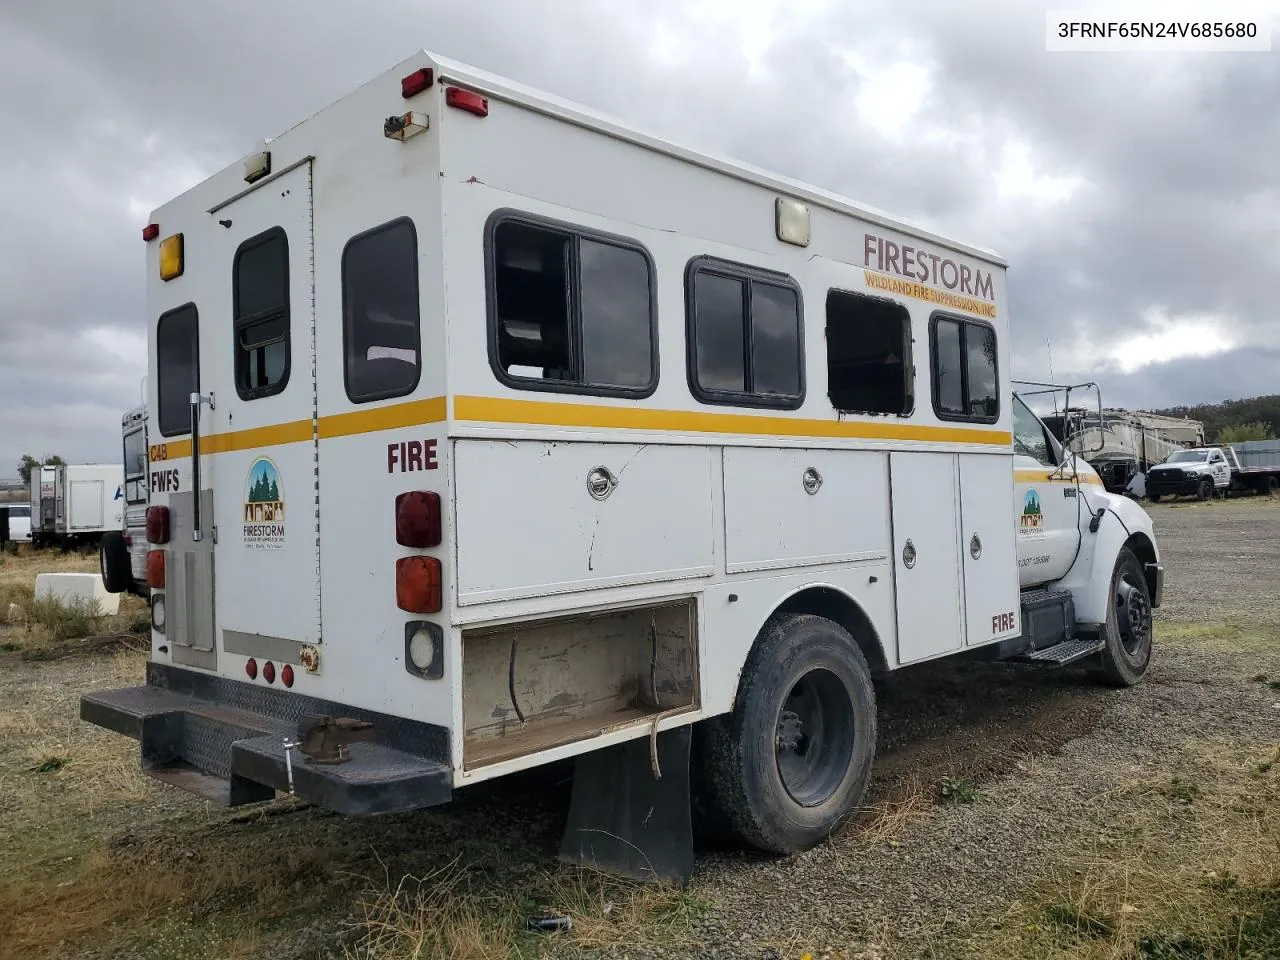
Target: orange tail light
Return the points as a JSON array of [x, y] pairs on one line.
[[418, 587], [155, 569]]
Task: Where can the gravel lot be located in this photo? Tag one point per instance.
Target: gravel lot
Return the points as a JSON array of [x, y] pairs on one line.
[[1047, 749]]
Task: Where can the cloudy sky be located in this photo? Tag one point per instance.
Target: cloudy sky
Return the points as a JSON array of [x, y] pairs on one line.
[[1136, 196]]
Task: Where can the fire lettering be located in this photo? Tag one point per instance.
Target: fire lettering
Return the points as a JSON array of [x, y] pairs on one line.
[[912, 263], [411, 455]]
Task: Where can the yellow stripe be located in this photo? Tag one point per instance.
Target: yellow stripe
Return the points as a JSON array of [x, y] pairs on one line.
[[560, 414], [409, 414], [1049, 476], [542, 413]]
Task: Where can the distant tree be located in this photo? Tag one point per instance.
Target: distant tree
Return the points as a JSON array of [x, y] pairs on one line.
[[25, 466], [29, 463], [1243, 432], [1217, 416]]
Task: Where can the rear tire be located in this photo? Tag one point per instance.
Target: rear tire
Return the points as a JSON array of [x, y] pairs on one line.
[[783, 770], [113, 559], [1154, 497], [1129, 627], [1271, 486]]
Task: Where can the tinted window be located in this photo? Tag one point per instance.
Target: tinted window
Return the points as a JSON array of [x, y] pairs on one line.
[[177, 368], [964, 370], [1029, 435], [260, 291], [135, 466], [744, 336], [720, 337], [868, 354], [950, 375], [380, 316], [570, 310]]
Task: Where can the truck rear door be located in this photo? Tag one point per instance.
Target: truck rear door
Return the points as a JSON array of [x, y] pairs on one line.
[[264, 474]]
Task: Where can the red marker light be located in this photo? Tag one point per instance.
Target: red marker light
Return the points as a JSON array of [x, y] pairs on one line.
[[150, 231], [269, 672], [286, 675], [416, 82], [251, 668], [468, 101]]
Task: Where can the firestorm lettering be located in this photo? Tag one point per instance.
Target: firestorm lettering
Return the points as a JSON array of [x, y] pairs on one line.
[[411, 455], [912, 263]]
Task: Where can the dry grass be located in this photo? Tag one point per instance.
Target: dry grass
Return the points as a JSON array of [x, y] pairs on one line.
[[1190, 872], [441, 916], [1233, 634]]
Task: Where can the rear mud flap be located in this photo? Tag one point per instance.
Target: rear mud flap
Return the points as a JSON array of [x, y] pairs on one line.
[[623, 820]]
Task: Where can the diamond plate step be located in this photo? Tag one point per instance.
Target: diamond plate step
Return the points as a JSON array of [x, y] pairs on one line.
[[1060, 654]]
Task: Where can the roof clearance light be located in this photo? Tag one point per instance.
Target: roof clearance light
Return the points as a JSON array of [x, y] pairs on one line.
[[791, 221], [150, 232], [171, 257], [257, 166], [468, 101], [416, 82]]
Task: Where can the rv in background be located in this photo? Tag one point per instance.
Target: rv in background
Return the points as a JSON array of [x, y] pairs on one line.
[[131, 542], [1122, 445], [76, 503]]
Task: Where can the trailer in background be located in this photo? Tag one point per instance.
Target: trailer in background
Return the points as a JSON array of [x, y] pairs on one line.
[[1123, 445], [1253, 466], [76, 503]]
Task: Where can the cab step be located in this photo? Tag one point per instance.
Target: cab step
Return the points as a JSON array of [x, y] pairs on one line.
[[1060, 654]]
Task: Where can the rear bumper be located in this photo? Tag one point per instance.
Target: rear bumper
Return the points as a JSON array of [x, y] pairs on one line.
[[225, 740]]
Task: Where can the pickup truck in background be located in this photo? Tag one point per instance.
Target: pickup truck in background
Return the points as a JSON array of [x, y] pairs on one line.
[[1230, 468]]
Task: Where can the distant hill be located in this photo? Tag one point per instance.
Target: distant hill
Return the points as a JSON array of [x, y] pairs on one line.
[[1217, 416]]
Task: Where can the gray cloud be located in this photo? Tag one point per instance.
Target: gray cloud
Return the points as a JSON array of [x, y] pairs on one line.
[[123, 105]]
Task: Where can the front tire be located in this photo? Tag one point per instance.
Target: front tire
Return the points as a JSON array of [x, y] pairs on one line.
[[784, 769], [1205, 490], [1129, 627]]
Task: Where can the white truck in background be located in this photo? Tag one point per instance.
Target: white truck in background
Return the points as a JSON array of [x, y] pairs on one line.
[[656, 481], [120, 575], [1203, 472], [77, 503]]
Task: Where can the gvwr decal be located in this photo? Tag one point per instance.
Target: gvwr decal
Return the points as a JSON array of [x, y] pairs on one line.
[[407, 456]]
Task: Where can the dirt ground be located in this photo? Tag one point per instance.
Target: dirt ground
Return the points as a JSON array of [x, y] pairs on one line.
[[1015, 812]]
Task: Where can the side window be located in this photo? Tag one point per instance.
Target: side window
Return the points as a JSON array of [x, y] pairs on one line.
[[570, 310], [381, 332], [965, 385], [744, 335], [869, 366], [1029, 435], [260, 301], [177, 368]]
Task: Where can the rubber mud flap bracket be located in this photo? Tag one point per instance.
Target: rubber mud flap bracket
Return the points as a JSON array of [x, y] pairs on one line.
[[625, 822]]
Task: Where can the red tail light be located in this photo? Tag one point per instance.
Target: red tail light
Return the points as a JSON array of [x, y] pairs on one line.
[[416, 82], [418, 585], [157, 524], [418, 519], [155, 569], [468, 101]]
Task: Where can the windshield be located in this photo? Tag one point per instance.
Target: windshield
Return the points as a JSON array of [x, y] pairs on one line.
[[135, 466], [1189, 456]]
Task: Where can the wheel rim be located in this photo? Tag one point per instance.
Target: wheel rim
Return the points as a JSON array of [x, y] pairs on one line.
[[813, 742], [1133, 615]]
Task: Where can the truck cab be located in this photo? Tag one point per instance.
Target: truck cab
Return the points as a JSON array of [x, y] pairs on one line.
[[1202, 472]]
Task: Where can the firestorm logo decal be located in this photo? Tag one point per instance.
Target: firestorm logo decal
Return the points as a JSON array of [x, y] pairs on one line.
[[1032, 522], [264, 506]]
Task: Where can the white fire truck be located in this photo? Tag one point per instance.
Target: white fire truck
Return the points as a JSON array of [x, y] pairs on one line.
[[660, 460]]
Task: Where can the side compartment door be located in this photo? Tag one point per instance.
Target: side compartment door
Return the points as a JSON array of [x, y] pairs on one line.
[[925, 499], [264, 474], [992, 611]]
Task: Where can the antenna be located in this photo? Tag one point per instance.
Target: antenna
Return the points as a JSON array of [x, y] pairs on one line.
[[1049, 347]]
